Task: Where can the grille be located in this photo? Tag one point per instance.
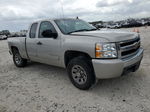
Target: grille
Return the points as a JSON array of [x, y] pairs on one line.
[[129, 48]]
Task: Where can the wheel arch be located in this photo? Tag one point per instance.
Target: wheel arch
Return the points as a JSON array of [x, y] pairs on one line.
[[70, 54], [14, 48]]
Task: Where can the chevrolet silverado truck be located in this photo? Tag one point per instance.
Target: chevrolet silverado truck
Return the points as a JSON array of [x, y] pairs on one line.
[[88, 54]]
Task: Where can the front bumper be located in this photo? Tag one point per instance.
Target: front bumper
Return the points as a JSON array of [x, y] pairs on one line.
[[112, 68]]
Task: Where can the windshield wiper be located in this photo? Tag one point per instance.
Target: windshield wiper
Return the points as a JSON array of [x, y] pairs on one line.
[[82, 30], [78, 31], [92, 29]]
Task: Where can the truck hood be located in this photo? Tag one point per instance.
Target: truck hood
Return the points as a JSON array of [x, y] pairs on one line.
[[110, 35]]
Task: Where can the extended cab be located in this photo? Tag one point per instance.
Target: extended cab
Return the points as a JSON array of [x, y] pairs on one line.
[[87, 53]]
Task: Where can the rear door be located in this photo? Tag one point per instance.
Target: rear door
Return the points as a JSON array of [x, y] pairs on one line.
[[31, 42], [48, 49]]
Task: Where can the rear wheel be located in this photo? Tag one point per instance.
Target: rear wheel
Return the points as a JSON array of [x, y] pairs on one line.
[[18, 60], [81, 73]]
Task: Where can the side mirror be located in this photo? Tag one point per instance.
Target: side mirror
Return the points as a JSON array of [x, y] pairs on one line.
[[49, 34]]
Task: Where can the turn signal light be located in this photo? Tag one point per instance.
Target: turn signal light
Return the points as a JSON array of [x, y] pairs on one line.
[[98, 53]]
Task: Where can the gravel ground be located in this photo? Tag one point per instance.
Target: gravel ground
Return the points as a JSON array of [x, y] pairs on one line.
[[44, 88]]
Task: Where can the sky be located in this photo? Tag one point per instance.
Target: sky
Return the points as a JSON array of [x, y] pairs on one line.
[[16, 15]]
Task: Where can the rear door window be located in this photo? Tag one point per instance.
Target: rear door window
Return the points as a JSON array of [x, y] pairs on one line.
[[33, 30]]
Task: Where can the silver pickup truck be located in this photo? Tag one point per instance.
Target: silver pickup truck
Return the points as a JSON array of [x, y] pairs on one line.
[[87, 53]]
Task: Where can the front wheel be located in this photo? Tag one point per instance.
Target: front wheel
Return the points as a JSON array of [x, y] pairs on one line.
[[81, 73], [18, 60]]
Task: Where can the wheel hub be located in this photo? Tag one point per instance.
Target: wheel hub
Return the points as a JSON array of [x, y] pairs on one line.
[[79, 75], [17, 59]]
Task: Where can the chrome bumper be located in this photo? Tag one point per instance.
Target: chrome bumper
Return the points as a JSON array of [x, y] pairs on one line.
[[116, 67]]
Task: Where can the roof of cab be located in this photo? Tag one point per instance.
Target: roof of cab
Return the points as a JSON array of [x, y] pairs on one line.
[[54, 19]]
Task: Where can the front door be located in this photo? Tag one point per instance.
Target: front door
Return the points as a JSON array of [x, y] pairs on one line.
[[48, 49]]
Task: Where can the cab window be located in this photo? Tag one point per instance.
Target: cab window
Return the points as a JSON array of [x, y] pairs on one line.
[[45, 25]]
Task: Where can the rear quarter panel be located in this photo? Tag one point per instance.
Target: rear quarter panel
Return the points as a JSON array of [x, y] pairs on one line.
[[18, 42]]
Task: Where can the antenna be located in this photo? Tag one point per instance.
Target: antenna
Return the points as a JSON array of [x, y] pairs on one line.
[[62, 8]]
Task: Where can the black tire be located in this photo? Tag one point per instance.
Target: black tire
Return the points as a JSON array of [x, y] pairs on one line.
[[86, 73], [20, 62]]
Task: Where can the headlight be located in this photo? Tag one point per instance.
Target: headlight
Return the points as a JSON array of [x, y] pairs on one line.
[[105, 50]]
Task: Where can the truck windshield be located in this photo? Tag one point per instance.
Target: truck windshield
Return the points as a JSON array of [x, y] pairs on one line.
[[68, 26]]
